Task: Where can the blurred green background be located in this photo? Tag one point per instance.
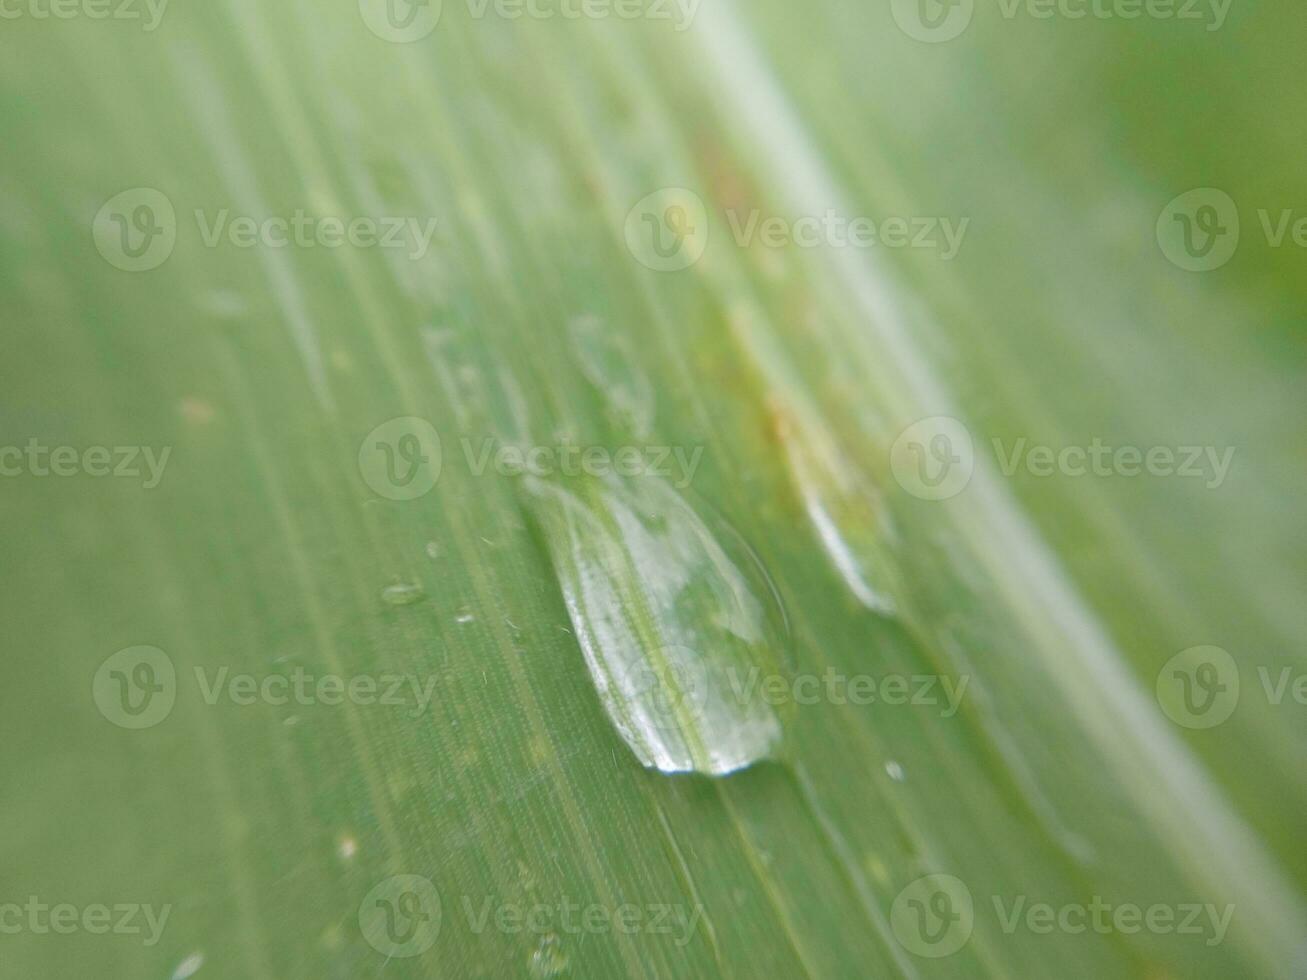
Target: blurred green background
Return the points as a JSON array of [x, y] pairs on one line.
[[1070, 313]]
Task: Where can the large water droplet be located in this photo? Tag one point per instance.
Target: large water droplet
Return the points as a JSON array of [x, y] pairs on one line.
[[681, 630]]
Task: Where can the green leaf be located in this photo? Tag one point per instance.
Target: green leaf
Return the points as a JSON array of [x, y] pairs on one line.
[[320, 666]]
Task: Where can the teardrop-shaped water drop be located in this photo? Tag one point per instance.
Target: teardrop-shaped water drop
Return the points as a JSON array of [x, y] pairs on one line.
[[402, 594], [188, 967], [680, 628]]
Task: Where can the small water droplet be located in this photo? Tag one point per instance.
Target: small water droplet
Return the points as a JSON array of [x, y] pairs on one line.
[[464, 617], [679, 626], [196, 410], [224, 304], [877, 868], [433, 550], [404, 594], [444, 351], [894, 771], [548, 959], [526, 877], [348, 847], [844, 509], [188, 967], [609, 363]]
